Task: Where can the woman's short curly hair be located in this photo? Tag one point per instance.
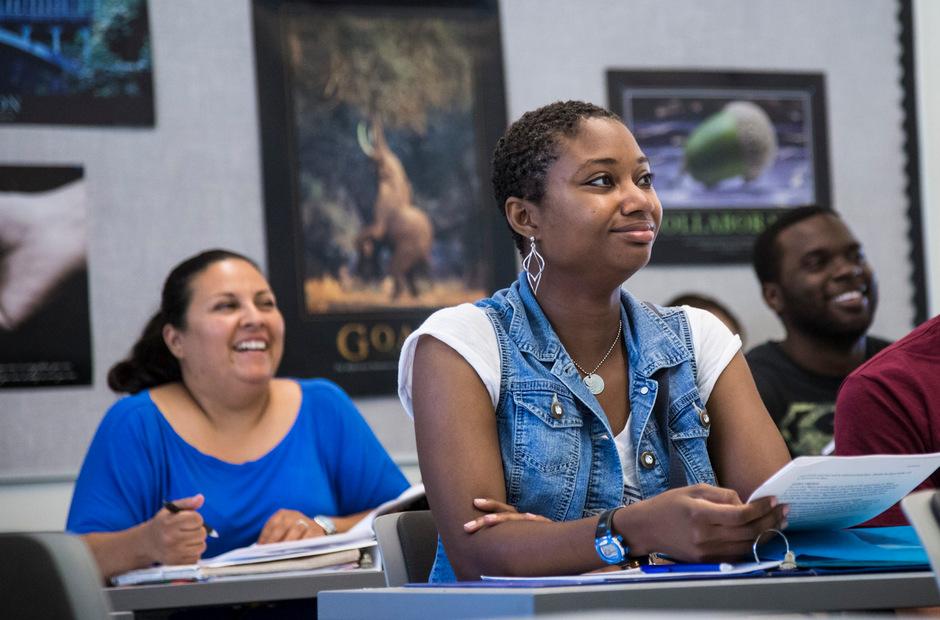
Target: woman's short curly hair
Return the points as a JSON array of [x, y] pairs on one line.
[[529, 147]]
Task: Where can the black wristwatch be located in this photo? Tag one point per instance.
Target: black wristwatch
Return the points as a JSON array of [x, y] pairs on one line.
[[609, 545]]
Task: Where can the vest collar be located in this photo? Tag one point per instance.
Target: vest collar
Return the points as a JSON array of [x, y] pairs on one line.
[[661, 347]]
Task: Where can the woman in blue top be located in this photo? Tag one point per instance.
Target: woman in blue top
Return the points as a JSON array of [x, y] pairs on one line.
[[625, 428], [209, 428]]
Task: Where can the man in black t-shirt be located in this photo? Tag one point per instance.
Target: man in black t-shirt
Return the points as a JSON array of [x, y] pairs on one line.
[[814, 276]]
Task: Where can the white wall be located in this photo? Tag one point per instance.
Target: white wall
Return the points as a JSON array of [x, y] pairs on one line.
[[199, 170], [34, 506], [927, 53], [556, 49]]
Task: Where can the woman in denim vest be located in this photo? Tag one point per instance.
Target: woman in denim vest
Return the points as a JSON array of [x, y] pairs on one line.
[[616, 428]]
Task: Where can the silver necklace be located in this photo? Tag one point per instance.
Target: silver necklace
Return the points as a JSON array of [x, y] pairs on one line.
[[593, 381]]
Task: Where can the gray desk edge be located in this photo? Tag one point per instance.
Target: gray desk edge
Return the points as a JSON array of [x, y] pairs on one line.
[[243, 589], [866, 591]]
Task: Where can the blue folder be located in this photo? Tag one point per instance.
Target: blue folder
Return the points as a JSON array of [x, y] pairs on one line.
[[862, 547]]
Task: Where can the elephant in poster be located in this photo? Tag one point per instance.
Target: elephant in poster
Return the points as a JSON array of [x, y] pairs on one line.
[[396, 222]]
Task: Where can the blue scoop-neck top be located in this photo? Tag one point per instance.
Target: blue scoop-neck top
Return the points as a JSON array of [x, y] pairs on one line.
[[329, 462]]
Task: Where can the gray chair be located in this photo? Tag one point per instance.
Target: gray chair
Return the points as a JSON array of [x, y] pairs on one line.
[[923, 511], [49, 575], [408, 542]]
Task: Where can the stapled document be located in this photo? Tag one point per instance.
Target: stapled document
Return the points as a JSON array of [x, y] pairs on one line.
[[836, 492]]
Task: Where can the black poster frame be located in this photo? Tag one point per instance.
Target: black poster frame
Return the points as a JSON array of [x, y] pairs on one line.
[[725, 234], [321, 344]]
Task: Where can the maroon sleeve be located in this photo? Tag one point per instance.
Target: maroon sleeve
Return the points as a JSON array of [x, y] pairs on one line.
[[872, 417]]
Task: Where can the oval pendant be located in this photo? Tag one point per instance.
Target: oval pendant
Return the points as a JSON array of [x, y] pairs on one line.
[[594, 383]]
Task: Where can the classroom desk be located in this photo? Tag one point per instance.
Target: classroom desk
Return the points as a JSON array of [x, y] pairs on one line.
[[237, 590], [783, 594]]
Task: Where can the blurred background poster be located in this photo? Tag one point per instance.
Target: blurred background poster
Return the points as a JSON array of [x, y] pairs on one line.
[[728, 151], [391, 116], [82, 62], [45, 333]]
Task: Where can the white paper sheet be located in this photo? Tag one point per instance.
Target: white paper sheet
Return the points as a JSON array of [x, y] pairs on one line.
[[406, 497], [631, 574], [290, 549], [835, 492]]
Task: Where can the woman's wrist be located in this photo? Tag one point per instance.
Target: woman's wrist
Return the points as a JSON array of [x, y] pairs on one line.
[[143, 549], [119, 552], [629, 524]]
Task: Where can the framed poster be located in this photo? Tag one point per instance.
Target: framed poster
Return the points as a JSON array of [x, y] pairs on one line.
[[76, 62], [378, 122], [729, 150], [45, 327]]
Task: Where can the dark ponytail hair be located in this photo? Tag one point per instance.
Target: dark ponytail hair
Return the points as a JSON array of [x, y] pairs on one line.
[[151, 363]]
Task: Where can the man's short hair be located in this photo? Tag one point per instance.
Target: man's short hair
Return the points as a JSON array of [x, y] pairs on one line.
[[766, 252]]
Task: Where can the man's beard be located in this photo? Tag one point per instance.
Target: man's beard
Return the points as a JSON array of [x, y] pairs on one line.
[[819, 324]]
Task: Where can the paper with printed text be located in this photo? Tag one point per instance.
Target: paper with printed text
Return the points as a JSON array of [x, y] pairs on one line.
[[835, 492]]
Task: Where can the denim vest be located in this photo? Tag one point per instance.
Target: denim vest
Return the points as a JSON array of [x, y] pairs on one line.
[[568, 467]]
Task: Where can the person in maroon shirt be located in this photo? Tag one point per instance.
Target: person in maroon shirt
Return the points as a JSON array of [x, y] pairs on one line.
[[890, 405]]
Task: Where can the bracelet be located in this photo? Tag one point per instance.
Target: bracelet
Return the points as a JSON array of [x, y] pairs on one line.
[[326, 523]]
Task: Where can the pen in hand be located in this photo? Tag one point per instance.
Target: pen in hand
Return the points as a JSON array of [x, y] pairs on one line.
[[175, 509]]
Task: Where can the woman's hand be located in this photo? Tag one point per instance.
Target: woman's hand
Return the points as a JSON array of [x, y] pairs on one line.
[[498, 513], [699, 523], [177, 538], [288, 524]]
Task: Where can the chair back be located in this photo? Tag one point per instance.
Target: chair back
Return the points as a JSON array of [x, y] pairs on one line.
[[923, 511], [49, 575], [408, 543]]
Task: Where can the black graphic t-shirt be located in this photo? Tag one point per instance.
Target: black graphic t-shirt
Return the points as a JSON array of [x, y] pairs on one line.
[[802, 403]]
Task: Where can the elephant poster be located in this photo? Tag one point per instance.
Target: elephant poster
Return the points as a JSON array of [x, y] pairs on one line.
[[729, 151], [388, 121]]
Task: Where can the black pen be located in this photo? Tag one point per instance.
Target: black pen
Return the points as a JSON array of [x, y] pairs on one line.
[[175, 509]]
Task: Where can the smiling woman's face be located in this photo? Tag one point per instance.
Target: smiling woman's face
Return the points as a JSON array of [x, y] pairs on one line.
[[600, 213], [234, 330]]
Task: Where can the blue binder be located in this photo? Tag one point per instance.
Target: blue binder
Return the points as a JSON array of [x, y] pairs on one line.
[[862, 547]]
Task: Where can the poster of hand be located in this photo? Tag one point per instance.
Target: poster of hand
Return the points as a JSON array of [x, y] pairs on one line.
[[45, 335]]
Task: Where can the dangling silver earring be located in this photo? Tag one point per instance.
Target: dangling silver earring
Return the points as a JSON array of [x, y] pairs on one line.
[[540, 263]]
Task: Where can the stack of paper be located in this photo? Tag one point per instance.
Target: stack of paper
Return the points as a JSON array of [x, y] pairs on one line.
[[257, 559], [339, 551]]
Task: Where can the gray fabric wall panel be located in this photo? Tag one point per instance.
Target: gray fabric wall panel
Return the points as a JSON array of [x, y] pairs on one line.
[[155, 195], [555, 49], [193, 181]]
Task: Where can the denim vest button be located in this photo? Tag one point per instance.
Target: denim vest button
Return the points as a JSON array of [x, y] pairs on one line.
[[644, 390], [703, 417], [648, 460]]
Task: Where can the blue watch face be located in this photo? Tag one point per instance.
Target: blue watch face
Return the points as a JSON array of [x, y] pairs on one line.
[[610, 549]]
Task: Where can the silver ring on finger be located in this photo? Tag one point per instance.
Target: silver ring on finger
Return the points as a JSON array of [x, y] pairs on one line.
[[303, 523]]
